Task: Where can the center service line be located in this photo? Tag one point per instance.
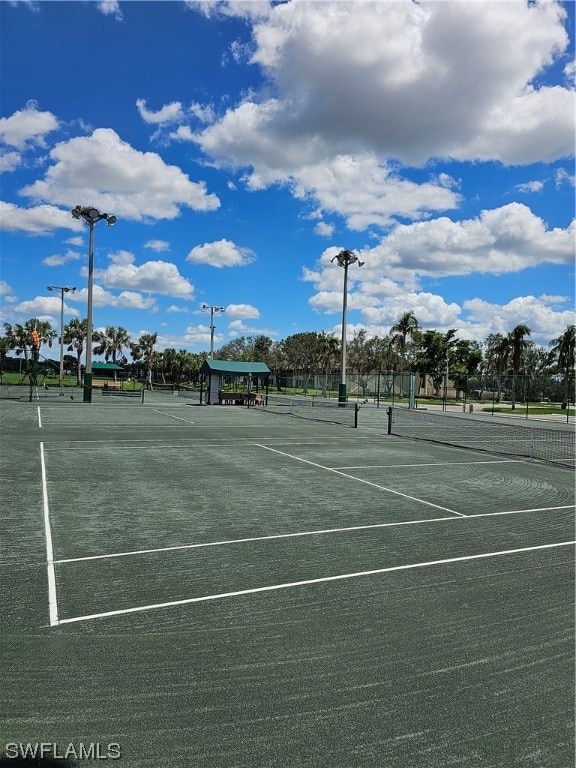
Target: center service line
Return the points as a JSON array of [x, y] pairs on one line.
[[359, 480], [307, 582]]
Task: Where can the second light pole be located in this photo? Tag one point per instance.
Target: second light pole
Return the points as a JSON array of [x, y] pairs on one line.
[[205, 308], [63, 289], [344, 259], [90, 216]]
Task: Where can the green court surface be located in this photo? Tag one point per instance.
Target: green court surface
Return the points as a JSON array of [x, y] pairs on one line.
[[220, 587]]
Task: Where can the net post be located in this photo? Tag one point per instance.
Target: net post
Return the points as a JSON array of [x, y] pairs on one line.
[[142, 397], [356, 410], [389, 412]]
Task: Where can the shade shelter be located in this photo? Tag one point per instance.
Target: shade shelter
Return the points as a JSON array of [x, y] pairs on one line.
[[105, 373], [246, 379]]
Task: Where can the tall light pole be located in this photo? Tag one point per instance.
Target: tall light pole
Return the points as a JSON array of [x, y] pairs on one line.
[[205, 308], [90, 216], [63, 289], [344, 259]]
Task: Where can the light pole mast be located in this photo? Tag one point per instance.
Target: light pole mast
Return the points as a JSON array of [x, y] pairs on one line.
[[344, 259], [90, 216], [63, 289], [205, 308]]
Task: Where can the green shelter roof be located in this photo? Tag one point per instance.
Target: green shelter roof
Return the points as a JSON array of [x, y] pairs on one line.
[[232, 367], [106, 367]]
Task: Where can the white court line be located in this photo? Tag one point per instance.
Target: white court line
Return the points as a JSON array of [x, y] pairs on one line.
[[435, 464], [52, 601], [319, 532], [359, 480], [172, 416], [39, 418], [307, 582]]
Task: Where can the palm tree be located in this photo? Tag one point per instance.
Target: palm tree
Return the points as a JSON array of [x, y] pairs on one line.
[[144, 350], [563, 349], [74, 335], [18, 339], [404, 328], [328, 350], [111, 342], [517, 344]]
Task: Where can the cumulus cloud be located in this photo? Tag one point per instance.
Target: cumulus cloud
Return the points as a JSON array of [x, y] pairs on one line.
[[542, 316], [58, 259], [157, 245], [123, 300], [351, 86], [169, 113], [39, 220], [116, 177], [9, 161], [530, 186], [323, 229], [27, 127], [44, 307], [499, 241], [244, 311], [110, 8], [222, 253], [160, 277]]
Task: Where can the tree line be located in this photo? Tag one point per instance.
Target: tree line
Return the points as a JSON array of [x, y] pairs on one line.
[[407, 347]]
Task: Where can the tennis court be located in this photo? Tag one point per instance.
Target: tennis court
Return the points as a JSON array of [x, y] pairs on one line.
[[224, 586]]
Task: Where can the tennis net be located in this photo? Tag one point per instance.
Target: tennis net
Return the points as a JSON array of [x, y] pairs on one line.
[[313, 408], [535, 443]]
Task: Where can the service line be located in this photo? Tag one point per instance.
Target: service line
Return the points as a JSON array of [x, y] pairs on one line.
[[308, 582], [301, 534]]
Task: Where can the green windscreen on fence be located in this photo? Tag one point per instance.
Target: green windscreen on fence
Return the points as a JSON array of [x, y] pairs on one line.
[[539, 443], [315, 408]]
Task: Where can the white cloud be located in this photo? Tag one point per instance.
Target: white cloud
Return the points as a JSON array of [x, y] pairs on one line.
[[43, 306], [563, 177], [117, 178], [506, 239], [323, 229], [58, 259], [157, 245], [244, 311], [27, 127], [110, 8], [222, 253], [39, 220], [173, 309], [351, 86], [5, 289], [530, 186], [160, 277], [200, 334], [543, 319], [124, 300], [169, 113], [9, 161]]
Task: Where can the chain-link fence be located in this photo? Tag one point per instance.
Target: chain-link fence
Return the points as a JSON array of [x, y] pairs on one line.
[[529, 396]]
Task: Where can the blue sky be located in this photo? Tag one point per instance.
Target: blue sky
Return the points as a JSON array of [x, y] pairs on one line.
[[241, 145]]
